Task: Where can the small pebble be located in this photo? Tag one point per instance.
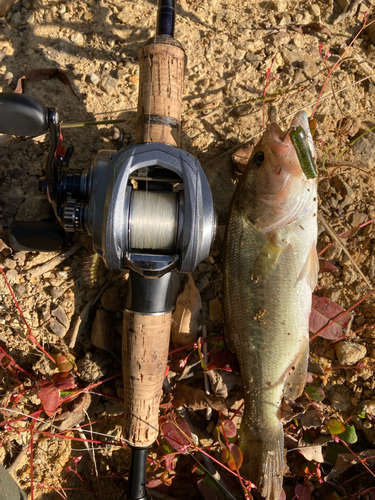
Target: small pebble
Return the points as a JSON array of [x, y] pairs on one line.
[[95, 79], [77, 38], [349, 353], [55, 292], [61, 316], [57, 328], [19, 290], [10, 263], [11, 275], [109, 85]]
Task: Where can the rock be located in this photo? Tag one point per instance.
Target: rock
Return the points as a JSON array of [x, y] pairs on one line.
[[11, 275], [300, 59], [57, 328], [368, 406], [109, 85], [102, 333], [55, 292], [358, 219], [315, 10], [20, 257], [93, 366], [61, 316], [365, 147], [77, 38], [94, 78], [340, 401], [215, 310], [111, 300], [10, 263], [2, 55], [349, 353], [278, 6], [19, 290]]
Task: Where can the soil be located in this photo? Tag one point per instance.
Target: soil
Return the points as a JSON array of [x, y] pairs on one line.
[[237, 52]]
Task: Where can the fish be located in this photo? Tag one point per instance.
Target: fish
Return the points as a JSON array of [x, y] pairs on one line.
[[270, 268]]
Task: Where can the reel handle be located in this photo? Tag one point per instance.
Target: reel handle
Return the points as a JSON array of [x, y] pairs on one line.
[[38, 236], [22, 115]]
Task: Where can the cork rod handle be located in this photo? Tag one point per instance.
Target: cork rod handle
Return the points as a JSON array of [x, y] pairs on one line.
[[144, 358]]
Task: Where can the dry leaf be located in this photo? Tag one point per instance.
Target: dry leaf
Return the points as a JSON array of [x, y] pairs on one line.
[[196, 399], [184, 328], [311, 451], [43, 74], [311, 419]]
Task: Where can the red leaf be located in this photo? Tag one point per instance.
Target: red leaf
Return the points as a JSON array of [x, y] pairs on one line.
[[350, 232], [326, 266], [49, 397], [224, 360], [302, 492], [322, 311], [63, 381], [229, 428], [176, 431], [170, 461]]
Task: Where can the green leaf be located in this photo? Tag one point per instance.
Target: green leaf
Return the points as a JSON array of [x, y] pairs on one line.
[[334, 426], [349, 435], [332, 450], [361, 414], [315, 393]]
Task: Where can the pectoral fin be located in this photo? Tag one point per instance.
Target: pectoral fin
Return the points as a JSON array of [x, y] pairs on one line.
[[296, 377], [310, 269], [266, 261]]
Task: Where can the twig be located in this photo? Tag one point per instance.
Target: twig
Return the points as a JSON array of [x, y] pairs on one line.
[[348, 11], [51, 264], [332, 233], [83, 316], [206, 380], [328, 96]]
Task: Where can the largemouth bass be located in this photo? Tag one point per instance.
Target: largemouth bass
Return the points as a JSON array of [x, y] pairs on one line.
[[270, 270]]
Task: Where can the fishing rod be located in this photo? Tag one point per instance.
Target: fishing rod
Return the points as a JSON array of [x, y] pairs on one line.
[[148, 209]]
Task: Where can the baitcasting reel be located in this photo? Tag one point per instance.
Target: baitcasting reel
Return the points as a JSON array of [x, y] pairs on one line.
[[147, 207]]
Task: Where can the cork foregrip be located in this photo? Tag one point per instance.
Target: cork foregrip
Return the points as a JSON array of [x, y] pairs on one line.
[[145, 347], [161, 80]]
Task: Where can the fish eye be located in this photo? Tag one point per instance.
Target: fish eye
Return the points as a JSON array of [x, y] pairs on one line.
[[258, 158]]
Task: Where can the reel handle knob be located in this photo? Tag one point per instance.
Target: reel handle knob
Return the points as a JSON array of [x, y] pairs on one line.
[[22, 115], [37, 236]]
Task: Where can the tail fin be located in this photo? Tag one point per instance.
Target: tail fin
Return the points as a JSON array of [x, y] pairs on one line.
[[263, 459]]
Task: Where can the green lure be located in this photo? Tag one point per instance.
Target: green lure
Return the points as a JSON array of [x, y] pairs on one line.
[[299, 140]]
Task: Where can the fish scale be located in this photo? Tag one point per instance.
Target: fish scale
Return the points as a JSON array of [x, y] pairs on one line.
[[267, 313]]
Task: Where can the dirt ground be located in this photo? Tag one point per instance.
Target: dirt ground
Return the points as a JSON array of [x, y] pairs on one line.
[[231, 48]]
